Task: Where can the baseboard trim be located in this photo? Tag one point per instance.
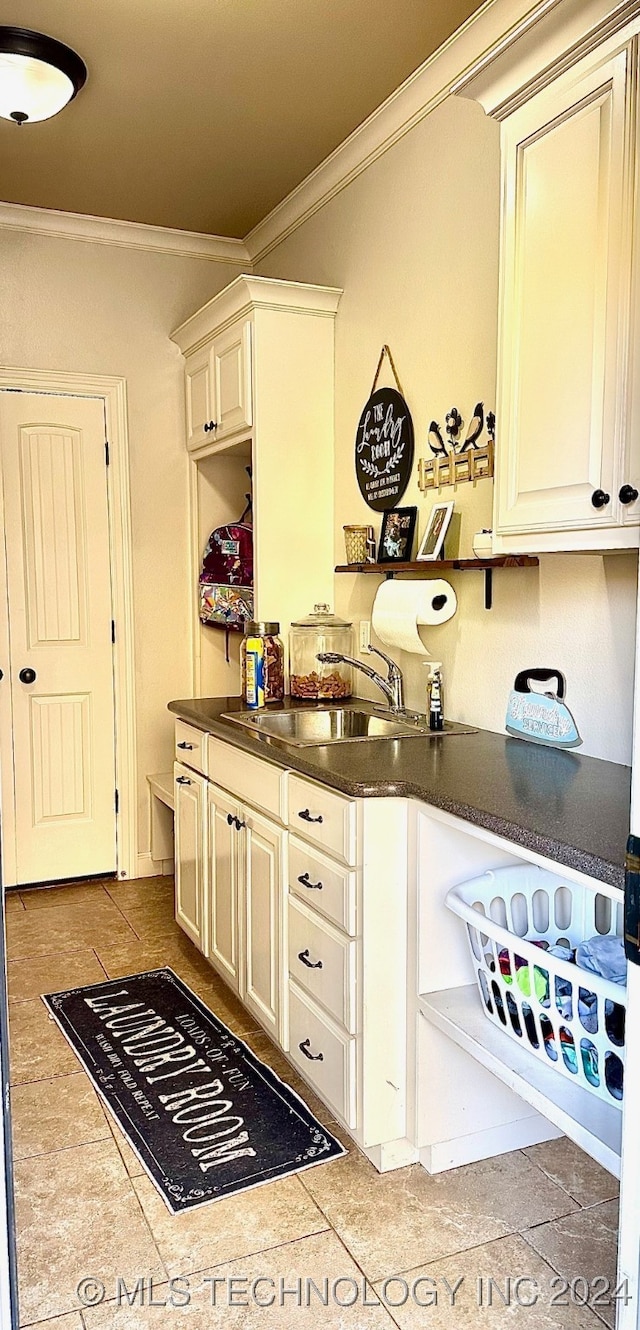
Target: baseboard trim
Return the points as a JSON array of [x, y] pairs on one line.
[[443, 1155], [148, 867], [392, 1154]]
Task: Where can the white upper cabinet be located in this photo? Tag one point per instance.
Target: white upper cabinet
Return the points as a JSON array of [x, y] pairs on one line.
[[199, 397], [231, 363], [567, 455], [218, 387]]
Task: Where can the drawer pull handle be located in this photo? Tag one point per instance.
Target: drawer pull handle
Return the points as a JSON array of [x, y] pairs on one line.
[[182, 780], [311, 965], [184, 744], [306, 882], [313, 1057], [306, 816]]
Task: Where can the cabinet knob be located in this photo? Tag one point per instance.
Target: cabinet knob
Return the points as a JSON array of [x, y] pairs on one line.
[[209, 425], [628, 494], [599, 499], [313, 1057], [234, 821], [27, 676]]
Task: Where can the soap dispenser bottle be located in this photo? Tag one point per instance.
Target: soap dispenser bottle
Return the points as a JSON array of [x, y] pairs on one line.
[[435, 707]]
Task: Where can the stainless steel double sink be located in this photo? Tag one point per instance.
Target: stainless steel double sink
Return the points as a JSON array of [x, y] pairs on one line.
[[329, 725]]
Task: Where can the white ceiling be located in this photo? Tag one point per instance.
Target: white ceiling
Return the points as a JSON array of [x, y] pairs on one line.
[[203, 114]]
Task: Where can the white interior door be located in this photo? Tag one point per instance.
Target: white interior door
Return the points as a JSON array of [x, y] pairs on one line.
[[58, 680]]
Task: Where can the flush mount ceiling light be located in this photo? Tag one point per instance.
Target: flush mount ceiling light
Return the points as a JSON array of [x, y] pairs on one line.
[[38, 75]]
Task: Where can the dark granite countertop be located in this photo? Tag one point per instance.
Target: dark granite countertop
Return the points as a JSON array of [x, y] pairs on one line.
[[571, 809]]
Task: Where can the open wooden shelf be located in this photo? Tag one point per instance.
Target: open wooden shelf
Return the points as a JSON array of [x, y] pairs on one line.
[[429, 567], [593, 1124]]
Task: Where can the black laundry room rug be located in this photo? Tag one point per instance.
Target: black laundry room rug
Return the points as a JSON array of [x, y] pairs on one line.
[[204, 1115]]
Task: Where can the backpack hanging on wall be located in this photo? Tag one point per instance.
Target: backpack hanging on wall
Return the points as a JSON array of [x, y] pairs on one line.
[[226, 579]]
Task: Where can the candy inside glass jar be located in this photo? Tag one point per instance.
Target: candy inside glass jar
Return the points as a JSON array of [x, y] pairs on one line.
[[313, 680]]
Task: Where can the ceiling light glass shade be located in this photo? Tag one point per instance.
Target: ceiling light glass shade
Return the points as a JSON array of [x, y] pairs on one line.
[[38, 75]]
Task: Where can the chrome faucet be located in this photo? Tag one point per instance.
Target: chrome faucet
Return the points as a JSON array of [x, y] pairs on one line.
[[392, 686]]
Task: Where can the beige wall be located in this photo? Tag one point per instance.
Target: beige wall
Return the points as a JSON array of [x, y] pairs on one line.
[[78, 306], [414, 243]]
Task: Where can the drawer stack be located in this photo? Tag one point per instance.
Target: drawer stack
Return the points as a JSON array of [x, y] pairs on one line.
[[323, 945]]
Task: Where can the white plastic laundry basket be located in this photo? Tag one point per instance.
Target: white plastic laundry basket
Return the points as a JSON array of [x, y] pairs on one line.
[[564, 1015]]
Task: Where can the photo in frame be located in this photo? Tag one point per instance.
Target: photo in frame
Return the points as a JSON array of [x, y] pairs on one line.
[[396, 535], [432, 543]]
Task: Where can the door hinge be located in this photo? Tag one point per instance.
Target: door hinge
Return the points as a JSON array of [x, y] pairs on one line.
[[113, 630], [106, 452], [117, 801]]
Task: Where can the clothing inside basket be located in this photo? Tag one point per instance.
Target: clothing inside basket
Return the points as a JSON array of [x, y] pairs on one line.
[[602, 955]]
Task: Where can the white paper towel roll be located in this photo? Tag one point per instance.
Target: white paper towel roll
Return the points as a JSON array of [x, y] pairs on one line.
[[400, 606]]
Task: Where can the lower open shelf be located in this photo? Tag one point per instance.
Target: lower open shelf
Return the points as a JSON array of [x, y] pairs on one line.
[[593, 1124]]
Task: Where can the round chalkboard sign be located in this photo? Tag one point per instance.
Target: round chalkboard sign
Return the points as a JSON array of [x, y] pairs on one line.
[[384, 449]]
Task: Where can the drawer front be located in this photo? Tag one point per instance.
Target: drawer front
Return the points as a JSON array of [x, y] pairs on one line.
[[323, 817], [323, 962], [325, 1055], [323, 884], [191, 747], [257, 783]]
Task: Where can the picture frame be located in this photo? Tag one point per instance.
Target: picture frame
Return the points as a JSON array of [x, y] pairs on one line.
[[396, 535], [432, 542]]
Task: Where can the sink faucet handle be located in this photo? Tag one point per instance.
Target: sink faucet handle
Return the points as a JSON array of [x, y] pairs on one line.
[[394, 670]]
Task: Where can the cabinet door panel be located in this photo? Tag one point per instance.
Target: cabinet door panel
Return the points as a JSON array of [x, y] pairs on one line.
[[232, 378], [225, 862], [264, 854], [199, 397], [563, 304], [190, 855]]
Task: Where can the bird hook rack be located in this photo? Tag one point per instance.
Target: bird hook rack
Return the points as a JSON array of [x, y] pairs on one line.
[[464, 459]]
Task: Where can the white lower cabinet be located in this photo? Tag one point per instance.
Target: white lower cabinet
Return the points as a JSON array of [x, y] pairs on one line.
[[245, 854], [225, 873], [324, 1054], [263, 864], [297, 895], [190, 804]]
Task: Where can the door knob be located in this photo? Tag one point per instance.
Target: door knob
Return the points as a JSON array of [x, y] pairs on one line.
[[628, 494], [599, 499], [27, 676]]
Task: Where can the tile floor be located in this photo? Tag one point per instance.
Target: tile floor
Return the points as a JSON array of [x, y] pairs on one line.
[[401, 1249]]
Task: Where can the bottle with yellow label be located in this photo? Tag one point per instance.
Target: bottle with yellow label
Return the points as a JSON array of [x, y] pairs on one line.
[[252, 664]]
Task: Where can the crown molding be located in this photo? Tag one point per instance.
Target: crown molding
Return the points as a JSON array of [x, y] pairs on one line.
[[415, 99], [542, 48], [126, 235], [247, 293]]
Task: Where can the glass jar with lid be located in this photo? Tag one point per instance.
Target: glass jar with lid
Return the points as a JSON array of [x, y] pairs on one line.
[[264, 683], [309, 678]]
